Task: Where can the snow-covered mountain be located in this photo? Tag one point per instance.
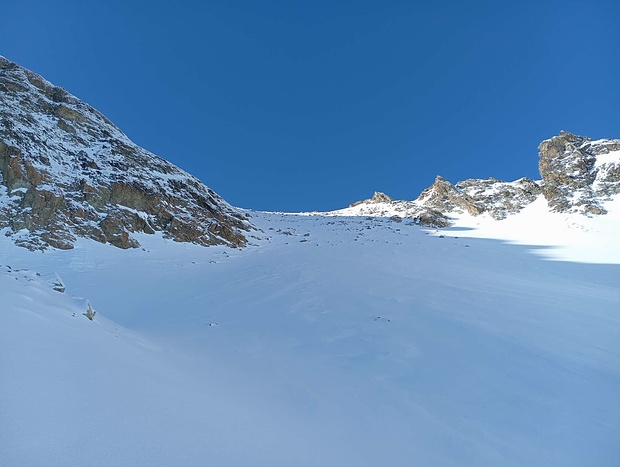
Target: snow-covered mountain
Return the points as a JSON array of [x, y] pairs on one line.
[[578, 175], [67, 172], [573, 210], [477, 325]]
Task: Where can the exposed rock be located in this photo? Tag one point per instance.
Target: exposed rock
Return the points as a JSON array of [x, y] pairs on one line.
[[578, 175], [498, 198], [57, 284], [115, 232], [66, 172], [573, 178], [381, 205], [378, 197], [90, 312], [442, 196], [431, 218]]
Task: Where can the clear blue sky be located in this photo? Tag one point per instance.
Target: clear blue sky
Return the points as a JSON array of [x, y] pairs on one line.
[[303, 105]]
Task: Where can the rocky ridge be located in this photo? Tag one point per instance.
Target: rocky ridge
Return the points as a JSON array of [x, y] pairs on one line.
[[578, 175], [66, 171]]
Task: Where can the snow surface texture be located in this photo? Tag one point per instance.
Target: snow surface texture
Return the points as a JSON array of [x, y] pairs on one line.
[[561, 236], [334, 339], [331, 340]]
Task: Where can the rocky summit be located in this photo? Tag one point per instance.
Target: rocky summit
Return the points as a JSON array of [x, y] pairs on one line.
[[577, 175], [66, 171]]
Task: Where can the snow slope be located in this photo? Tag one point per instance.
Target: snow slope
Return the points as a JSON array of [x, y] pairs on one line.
[[329, 341], [566, 236]]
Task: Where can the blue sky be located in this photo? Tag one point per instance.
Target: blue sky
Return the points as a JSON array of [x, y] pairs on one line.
[[311, 105]]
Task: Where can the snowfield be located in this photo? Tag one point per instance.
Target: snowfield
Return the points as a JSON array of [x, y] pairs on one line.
[[331, 341]]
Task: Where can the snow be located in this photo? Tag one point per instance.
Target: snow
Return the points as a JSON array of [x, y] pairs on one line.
[[333, 340], [396, 208], [612, 157], [559, 236]]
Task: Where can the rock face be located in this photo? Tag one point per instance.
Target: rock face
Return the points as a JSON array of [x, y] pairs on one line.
[[66, 172], [578, 175], [497, 198], [378, 197], [442, 196]]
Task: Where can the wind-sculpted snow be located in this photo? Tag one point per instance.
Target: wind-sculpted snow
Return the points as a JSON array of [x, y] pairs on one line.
[[333, 341], [68, 172]]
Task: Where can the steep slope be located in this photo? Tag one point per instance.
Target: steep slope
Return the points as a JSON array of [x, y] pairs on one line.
[[579, 175], [335, 341], [352, 338], [67, 172]]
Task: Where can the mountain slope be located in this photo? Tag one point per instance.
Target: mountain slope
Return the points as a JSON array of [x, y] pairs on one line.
[[579, 175], [354, 341], [347, 338], [68, 172]]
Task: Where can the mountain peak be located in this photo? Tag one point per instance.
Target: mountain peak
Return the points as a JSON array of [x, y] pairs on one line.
[[377, 197], [578, 175], [380, 197], [68, 172]]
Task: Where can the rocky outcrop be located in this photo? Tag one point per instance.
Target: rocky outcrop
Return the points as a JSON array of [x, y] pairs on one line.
[[442, 196], [381, 205], [436, 203], [378, 197], [67, 172], [498, 198], [578, 175], [575, 177]]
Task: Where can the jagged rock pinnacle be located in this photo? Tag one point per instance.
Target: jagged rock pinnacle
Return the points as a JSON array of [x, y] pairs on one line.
[[578, 175], [379, 197]]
